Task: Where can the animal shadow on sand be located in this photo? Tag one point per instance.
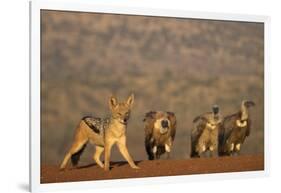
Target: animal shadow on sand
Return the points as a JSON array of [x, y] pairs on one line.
[[119, 163]]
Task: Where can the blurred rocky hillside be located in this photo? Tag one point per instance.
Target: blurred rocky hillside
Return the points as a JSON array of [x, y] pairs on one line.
[[179, 65]]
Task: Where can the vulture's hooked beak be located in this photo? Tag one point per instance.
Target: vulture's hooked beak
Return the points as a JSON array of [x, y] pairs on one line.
[[249, 104]]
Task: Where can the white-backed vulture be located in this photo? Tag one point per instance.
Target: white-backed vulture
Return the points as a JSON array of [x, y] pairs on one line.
[[204, 135], [160, 131], [235, 129]]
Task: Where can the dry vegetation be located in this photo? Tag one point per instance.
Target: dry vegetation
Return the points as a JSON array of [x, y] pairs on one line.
[[180, 65]]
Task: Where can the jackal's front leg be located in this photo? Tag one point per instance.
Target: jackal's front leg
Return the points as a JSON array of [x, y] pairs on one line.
[[97, 155], [107, 151], [124, 151]]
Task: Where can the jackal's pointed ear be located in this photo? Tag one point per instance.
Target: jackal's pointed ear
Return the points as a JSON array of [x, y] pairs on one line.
[[112, 102], [130, 100]]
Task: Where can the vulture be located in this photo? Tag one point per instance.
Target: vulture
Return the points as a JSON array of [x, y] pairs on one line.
[[204, 135], [160, 131], [235, 128]]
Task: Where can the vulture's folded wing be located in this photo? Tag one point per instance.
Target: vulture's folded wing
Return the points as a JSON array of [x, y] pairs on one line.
[[149, 120], [229, 123], [248, 128], [173, 120], [197, 130]]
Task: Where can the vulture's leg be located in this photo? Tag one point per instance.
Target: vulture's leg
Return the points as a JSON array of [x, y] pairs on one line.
[[168, 150], [154, 150], [204, 152], [212, 153], [168, 155], [158, 156], [214, 149], [238, 147], [201, 147], [236, 153]]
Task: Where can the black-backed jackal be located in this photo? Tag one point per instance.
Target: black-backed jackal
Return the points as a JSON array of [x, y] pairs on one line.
[[103, 133]]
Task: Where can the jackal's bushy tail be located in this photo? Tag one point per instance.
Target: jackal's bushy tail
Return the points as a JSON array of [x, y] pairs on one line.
[[75, 157]]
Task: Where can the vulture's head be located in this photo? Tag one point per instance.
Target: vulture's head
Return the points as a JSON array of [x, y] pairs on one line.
[[244, 109], [215, 109], [163, 121], [215, 118], [212, 119], [247, 103]]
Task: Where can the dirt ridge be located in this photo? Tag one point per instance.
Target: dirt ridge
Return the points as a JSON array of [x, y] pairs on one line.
[[121, 170]]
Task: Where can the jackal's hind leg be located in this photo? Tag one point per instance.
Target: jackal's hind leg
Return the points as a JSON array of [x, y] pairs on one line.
[[65, 161], [77, 147]]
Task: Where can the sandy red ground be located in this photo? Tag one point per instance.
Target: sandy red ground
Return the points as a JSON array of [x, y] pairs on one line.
[[50, 174]]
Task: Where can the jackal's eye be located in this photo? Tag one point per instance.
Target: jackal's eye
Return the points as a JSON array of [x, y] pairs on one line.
[[119, 114]]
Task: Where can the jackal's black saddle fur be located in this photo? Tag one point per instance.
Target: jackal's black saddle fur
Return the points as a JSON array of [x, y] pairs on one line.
[[98, 125]]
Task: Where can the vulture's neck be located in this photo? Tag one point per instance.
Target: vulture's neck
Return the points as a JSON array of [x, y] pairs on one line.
[[244, 113]]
